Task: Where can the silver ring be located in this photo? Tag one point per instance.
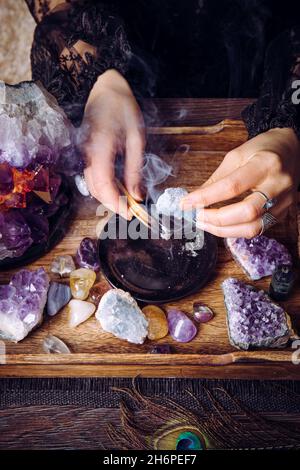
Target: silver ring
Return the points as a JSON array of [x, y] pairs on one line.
[[267, 221], [269, 203]]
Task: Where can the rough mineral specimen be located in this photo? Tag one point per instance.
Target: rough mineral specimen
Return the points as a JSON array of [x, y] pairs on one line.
[[79, 311], [63, 265], [87, 254], [181, 328], [54, 345], [254, 321], [283, 279], [81, 281], [58, 296], [22, 302], [202, 313], [119, 314], [258, 256], [15, 234], [33, 129], [168, 202], [157, 322]]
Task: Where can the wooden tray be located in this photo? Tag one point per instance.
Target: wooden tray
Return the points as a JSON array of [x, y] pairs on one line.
[[195, 152]]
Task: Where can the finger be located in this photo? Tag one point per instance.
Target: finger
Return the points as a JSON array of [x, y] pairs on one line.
[[248, 230], [133, 164], [100, 175], [245, 211], [232, 185], [227, 166]]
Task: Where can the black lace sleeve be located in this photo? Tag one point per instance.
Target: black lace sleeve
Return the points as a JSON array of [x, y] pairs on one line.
[[74, 43], [277, 105]]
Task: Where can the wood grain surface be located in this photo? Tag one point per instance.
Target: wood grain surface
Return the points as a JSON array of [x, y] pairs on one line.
[[195, 151]]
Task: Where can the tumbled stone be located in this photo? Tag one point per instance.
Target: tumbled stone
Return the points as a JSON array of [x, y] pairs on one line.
[[81, 281], [258, 256], [58, 296], [181, 328], [79, 311], [119, 314], [254, 321], [201, 312], [22, 302], [63, 265], [161, 349], [87, 254], [54, 345], [157, 322], [97, 292]]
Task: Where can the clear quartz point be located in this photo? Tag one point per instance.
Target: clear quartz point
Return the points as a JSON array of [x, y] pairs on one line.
[[54, 345]]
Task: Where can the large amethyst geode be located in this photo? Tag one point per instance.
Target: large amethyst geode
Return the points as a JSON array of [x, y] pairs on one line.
[[22, 302], [258, 256], [253, 320]]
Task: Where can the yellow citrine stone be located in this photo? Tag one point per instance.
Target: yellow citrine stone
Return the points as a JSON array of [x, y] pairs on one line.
[[81, 281], [158, 325]]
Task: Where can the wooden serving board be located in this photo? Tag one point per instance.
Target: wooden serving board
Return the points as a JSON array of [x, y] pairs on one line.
[[195, 152]]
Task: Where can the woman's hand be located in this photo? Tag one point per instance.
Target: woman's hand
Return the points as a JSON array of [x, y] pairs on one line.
[[270, 163], [114, 125]]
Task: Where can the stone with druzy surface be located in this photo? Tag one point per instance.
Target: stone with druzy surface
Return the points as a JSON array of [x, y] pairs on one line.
[[258, 256], [22, 302], [120, 315], [253, 320], [181, 327], [81, 281]]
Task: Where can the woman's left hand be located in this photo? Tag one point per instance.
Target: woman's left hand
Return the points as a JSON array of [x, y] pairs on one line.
[[269, 163]]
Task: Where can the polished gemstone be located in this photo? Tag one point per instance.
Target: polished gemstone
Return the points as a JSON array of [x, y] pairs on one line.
[[58, 296], [81, 281], [258, 256], [201, 312], [54, 345], [79, 311], [157, 322], [63, 265], [161, 349], [188, 441], [87, 254], [97, 291], [181, 327], [254, 321], [119, 314], [22, 303]]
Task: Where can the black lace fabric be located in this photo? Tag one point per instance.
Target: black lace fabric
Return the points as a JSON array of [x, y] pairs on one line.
[[74, 43], [77, 40], [275, 106]]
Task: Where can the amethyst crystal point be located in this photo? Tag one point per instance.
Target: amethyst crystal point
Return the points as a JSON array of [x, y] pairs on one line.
[[258, 256], [58, 296], [87, 254], [254, 321], [15, 234], [181, 328], [32, 126], [22, 303]]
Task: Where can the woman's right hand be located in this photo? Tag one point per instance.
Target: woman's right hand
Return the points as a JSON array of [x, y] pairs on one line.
[[115, 125]]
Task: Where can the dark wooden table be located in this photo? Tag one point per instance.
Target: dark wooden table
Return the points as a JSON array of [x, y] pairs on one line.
[[31, 417]]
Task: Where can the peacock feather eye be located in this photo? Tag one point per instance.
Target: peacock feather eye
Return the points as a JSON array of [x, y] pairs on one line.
[[189, 441]]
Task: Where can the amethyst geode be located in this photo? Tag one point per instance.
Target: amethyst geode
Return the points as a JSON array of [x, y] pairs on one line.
[[253, 320], [258, 256], [22, 302]]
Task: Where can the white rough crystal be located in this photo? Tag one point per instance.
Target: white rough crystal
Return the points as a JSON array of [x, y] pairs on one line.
[[168, 202], [119, 314]]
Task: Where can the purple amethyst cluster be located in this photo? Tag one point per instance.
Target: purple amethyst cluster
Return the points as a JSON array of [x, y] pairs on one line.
[[22, 302], [258, 256], [254, 321], [36, 148]]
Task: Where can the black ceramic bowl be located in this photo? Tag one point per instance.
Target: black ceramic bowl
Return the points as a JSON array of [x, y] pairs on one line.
[[156, 271]]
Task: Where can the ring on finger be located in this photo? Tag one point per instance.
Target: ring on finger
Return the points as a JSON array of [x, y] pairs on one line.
[[267, 221], [269, 202]]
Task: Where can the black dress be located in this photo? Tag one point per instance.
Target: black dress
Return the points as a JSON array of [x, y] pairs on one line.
[[171, 48]]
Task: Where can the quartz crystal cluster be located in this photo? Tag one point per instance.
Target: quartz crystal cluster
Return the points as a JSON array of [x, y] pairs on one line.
[[119, 314], [258, 256], [35, 149], [254, 321], [22, 302]]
